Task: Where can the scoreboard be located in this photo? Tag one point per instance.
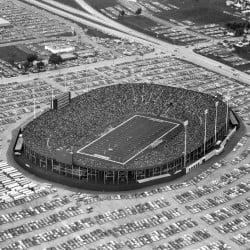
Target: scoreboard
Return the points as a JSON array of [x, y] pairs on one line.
[[61, 101]]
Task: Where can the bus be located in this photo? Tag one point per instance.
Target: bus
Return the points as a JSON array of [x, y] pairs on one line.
[[19, 145]]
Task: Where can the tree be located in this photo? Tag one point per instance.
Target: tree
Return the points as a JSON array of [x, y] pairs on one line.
[[55, 59], [239, 32], [121, 13], [138, 11], [40, 65], [25, 65], [31, 57]]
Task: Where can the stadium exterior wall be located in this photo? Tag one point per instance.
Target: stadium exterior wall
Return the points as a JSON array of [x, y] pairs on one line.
[[72, 182], [100, 179]]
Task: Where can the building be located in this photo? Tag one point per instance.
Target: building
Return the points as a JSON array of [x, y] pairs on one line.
[[4, 23], [59, 48]]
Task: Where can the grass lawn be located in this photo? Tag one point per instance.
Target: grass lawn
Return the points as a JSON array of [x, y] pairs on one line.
[[101, 4], [71, 3], [142, 24], [199, 11], [13, 54]]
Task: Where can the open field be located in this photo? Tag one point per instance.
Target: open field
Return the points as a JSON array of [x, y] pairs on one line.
[[128, 139], [13, 54], [200, 12], [99, 4], [71, 3], [165, 33]]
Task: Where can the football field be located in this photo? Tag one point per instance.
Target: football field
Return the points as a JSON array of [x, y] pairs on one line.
[[129, 139]]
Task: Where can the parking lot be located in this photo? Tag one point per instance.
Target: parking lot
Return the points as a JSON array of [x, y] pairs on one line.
[[156, 217], [225, 53], [207, 211]]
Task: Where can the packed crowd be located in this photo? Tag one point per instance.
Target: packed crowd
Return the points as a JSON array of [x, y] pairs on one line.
[[104, 107]]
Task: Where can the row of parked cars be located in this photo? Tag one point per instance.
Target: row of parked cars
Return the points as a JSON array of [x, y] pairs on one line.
[[242, 239], [138, 242], [214, 185], [149, 222], [132, 210], [31, 22], [98, 234], [212, 30], [185, 241], [225, 53], [165, 233], [39, 224], [216, 245], [226, 212], [18, 99], [234, 225], [227, 195], [33, 210], [16, 189], [7, 70]]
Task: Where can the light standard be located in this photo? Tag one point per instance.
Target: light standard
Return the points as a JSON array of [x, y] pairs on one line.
[[65, 83], [205, 133], [215, 122], [34, 104], [227, 99], [52, 105], [185, 142]]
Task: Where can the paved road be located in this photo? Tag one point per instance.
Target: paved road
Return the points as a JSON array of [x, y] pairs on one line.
[[125, 32]]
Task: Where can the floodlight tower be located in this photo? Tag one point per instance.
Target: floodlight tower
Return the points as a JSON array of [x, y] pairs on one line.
[[227, 100], [215, 122], [205, 132], [185, 142]]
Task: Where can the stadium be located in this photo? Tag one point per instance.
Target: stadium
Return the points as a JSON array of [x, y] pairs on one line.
[[125, 136]]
